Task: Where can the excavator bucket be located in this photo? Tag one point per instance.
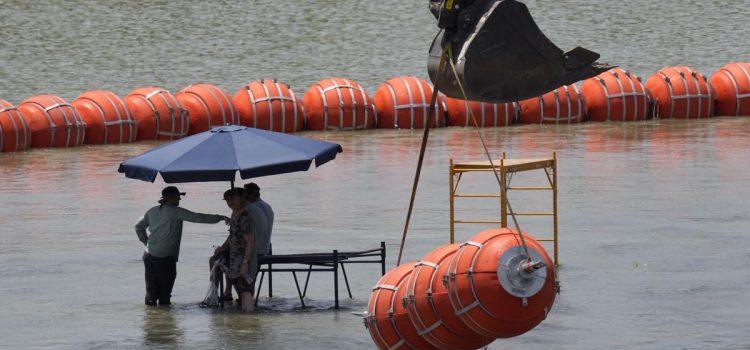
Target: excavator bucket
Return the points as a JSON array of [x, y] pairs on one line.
[[500, 54]]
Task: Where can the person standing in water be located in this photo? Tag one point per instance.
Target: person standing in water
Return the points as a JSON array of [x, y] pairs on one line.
[[242, 249], [252, 191], [260, 229], [164, 223]]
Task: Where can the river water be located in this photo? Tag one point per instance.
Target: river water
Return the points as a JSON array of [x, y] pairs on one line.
[[653, 215]]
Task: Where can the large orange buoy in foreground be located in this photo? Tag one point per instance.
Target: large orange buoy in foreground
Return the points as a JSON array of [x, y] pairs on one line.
[[208, 106], [464, 296], [404, 102], [338, 104], [560, 106], [14, 133], [402, 319], [430, 308], [158, 115], [615, 95], [270, 105], [495, 289], [486, 114], [379, 317], [680, 92], [106, 117], [731, 84], [53, 122]]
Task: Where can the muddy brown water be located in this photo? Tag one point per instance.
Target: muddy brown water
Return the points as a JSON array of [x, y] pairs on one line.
[[654, 215]]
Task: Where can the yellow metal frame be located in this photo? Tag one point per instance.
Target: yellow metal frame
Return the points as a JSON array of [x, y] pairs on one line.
[[506, 168]]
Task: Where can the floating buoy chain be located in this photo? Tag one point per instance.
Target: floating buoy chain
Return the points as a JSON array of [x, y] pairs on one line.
[[504, 193], [634, 93], [106, 123], [6, 107], [736, 85], [76, 123], [183, 114], [673, 84]]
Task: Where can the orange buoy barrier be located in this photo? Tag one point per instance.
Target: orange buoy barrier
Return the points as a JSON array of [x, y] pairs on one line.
[[14, 133], [615, 95], [270, 105], [338, 104], [158, 115], [429, 306], [402, 319], [379, 318], [404, 102], [208, 106], [52, 121], [732, 87], [494, 288], [680, 92], [106, 117], [486, 114], [560, 106]]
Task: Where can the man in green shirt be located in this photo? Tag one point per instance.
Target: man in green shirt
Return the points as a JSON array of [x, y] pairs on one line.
[[164, 223]]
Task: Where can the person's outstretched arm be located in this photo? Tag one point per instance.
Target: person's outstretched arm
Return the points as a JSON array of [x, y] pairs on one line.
[[189, 216], [140, 229]]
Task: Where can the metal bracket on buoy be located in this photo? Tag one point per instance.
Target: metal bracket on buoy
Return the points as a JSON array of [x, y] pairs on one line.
[[366, 319], [521, 275]]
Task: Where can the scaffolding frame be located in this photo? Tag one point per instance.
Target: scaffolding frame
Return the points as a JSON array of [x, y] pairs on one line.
[[506, 168]]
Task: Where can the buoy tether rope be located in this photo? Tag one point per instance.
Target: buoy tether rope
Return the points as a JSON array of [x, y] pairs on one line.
[[503, 190], [425, 135]]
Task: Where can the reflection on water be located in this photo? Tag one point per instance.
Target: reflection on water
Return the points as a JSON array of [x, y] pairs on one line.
[[160, 327], [233, 327], [653, 224]]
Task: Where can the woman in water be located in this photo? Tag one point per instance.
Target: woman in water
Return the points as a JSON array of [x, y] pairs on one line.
[[243, 258]]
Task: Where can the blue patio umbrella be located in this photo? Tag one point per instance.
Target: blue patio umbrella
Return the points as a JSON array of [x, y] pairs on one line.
[[218, 154]]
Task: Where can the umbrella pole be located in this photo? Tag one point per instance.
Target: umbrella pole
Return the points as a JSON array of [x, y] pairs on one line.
[[231, 184]]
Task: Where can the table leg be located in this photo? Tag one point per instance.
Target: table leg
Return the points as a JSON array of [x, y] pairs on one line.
[[346, 281], [296, 283]]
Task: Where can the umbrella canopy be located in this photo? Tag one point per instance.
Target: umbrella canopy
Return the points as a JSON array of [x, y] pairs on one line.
[[218, 154]]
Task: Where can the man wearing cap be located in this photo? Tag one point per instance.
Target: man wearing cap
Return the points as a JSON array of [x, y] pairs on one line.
[[252, 192], [164, 223]]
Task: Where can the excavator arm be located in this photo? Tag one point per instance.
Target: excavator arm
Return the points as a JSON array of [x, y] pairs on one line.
[[499, 53]]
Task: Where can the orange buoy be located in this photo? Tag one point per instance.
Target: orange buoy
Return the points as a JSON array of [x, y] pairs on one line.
[[158, 115], [680, 92], [52, 121], [404, 102], [495, 289], [379, 317], [208, 106], [269, 105], [560, 106], [429, 306], [402, 319], [615, 95], [732, 87], [338, 104], [106, 117], [14, 133], [486, 114]]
